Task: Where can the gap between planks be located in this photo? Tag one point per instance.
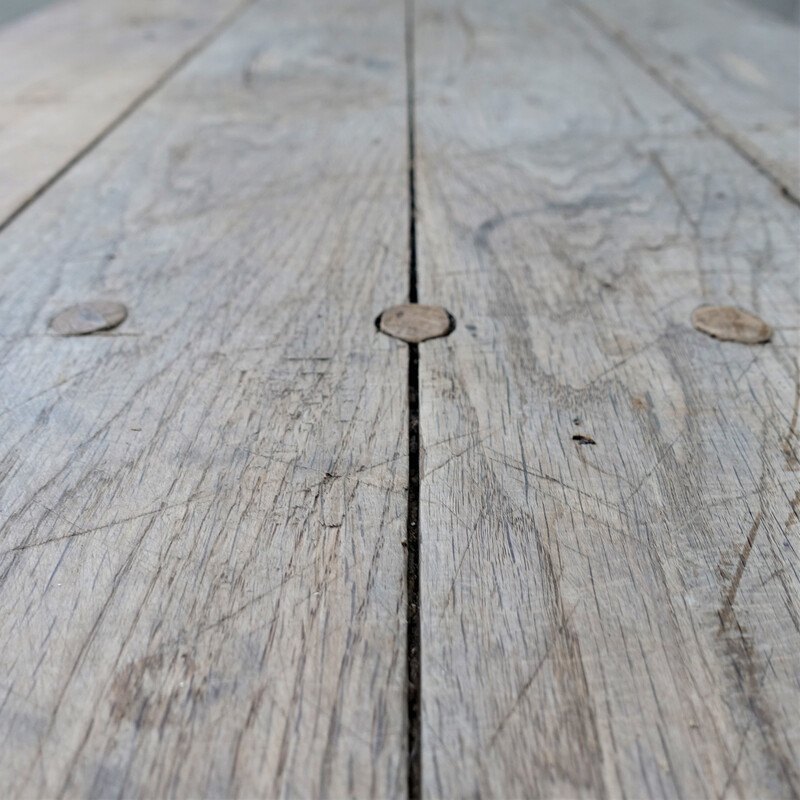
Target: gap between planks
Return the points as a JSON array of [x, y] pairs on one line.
[[413, 599], [724, 130], [136, 103]]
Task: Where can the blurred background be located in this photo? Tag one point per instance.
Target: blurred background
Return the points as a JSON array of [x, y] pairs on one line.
[[12, 9]]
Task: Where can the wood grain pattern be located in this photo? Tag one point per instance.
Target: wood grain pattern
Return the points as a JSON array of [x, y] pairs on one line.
[[201, 564], [736, 64], [617, 618], [70, 70]]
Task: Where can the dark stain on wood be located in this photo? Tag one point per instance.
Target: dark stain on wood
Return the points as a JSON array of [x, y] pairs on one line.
[[731, 324], [415, 322], [85, 318]]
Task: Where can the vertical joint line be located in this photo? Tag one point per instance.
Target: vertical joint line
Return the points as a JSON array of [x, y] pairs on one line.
[[135, 104], [413, 636], [412, 199]]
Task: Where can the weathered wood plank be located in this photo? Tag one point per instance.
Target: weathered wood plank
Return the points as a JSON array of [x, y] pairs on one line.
[[70, 70], [616, 619], [735, 64], [201, 567]]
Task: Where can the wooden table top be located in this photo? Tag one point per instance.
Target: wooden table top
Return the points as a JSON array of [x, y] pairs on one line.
[[251, 546]]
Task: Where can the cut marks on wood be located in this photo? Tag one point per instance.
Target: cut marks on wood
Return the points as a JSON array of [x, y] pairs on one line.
[[201, 572], [204, 514], [573, 593]]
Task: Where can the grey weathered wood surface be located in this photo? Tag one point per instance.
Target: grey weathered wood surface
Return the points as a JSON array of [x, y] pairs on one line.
[[69, 71], [735, 64], [617, 619], [202, 572], [202, 512]]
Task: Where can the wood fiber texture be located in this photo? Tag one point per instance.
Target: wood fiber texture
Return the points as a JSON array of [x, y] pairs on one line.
[[735, 64], [68, 72], [202, 575], [615, 617], [204, 510]]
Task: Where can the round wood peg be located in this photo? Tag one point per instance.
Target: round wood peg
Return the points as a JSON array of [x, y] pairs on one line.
[[88, 318], [731, 324], [414, 323]]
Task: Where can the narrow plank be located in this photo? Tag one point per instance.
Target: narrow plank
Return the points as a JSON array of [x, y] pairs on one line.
[[737, 64], [616, 619], [201, 569], [71, 69]]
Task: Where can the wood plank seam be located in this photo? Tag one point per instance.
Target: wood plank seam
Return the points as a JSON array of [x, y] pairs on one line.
[[743, 147], [413, 610], [135, 104]]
